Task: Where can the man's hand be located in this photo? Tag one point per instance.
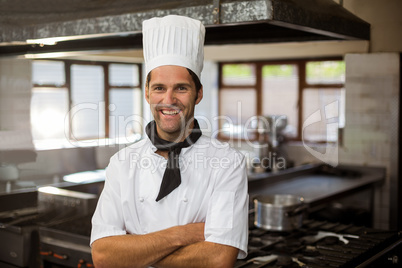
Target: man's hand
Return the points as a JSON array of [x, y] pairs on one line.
[[192, 233], [200, 255]]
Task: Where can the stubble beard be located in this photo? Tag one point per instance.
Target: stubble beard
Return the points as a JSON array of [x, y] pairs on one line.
[[172, 130]]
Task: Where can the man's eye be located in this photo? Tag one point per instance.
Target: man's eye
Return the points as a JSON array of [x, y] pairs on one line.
[[158, 88], [182, 88]]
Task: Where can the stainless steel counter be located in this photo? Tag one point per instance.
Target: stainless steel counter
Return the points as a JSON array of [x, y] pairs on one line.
[[319, 184], [20, 194]]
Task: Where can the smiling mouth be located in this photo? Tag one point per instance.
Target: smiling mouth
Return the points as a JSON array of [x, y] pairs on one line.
[[170, 112]]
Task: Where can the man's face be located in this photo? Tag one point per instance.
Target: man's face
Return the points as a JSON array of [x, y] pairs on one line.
[[172, 96]]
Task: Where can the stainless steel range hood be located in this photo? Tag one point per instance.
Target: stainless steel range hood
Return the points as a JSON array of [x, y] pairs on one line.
[[59, 25]]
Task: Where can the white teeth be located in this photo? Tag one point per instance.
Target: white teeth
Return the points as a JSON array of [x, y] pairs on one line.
[[170, 112]]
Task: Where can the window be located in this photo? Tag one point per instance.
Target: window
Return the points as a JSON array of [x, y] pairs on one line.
[[280, 93], [323, 94], [125, 118], [309, 94], [79, 100], [87, 92], [240, 99], [50, 101]]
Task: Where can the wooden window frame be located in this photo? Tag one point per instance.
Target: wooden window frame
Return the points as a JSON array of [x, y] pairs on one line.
[[302, 85], [107, 86]]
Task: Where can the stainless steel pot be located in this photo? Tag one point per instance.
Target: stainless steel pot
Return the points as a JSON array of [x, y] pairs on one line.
[[279, 212]]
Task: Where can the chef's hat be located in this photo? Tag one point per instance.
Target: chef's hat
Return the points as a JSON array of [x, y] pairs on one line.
[[173, 40]]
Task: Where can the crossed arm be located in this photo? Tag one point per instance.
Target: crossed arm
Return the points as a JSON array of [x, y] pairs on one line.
[[178, 246]]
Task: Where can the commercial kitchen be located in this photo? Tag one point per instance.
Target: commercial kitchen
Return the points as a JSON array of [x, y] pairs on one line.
[[308, 91]]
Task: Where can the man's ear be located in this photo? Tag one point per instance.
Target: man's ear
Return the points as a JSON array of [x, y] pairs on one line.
[[200, 94], [147, 93]]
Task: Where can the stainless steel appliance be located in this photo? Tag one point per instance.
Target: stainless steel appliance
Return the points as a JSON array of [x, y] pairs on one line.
[[54, 233], [66, 244], [117, 24], [268, 149], [19, 236]]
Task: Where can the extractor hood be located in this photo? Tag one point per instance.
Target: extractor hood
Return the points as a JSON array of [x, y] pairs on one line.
[[75, 25]]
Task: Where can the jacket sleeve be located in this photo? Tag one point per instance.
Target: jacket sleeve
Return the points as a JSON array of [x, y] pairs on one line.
[[108, 216], [227, 217]]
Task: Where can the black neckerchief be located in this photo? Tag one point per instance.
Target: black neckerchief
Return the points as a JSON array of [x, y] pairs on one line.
[[171, 178]]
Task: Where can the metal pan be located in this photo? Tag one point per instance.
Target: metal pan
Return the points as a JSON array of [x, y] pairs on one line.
[[279, 212]]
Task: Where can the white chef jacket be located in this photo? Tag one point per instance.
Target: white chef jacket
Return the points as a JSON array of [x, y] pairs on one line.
[[213, 190]]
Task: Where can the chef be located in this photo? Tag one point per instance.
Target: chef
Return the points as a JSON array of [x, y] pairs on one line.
[[176, 198]]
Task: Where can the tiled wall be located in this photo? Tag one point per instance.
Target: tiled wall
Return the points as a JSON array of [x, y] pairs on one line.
[[15, 99], [372, 96]]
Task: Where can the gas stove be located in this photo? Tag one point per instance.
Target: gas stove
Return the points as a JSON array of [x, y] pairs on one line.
[[57, 235], [321, 244], [67, 244]]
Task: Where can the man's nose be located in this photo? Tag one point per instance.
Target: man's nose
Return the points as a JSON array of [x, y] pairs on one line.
[[169, 97]]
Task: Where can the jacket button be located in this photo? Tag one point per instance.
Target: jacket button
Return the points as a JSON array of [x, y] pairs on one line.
[[142, 199], [185, 199]]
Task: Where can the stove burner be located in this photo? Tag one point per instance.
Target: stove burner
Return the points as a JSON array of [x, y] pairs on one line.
[[290, 245], [255, 242], [330, 240]]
